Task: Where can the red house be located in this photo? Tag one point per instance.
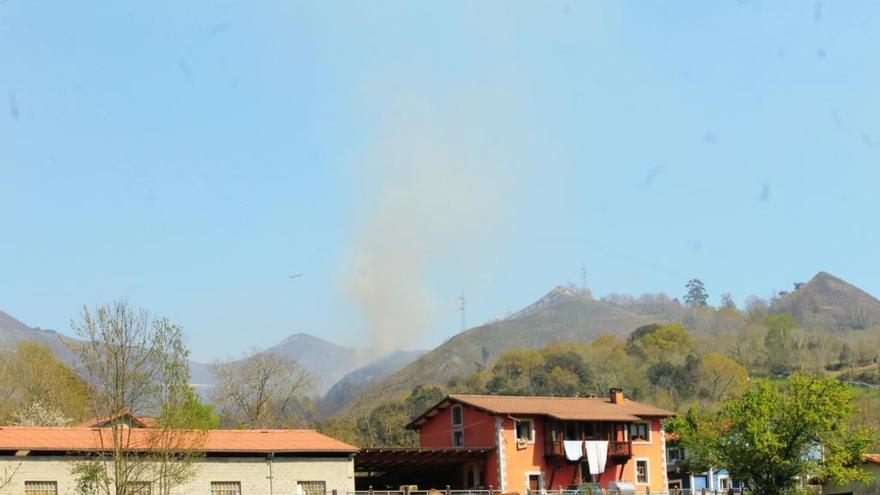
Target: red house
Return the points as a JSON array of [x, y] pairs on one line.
[[532, 443]]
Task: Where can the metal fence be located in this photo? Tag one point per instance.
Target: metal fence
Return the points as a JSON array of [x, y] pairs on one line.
[[559, 491]]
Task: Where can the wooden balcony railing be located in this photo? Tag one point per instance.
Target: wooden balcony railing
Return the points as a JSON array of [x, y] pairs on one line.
[[615, 449]]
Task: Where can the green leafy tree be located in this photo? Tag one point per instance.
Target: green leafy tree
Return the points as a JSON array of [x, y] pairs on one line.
[[652, 343], [774, 437], [136, 363], [696, 295], [34, 374]]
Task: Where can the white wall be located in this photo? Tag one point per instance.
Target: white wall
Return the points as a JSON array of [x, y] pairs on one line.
[[338, 473]]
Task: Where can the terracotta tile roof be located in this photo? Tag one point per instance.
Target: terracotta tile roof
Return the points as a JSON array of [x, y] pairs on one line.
[[226, 441], [872, 458], [562, 408]]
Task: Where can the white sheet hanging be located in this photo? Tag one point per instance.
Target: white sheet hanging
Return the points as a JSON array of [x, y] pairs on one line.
[[574, 449], [597, 454]]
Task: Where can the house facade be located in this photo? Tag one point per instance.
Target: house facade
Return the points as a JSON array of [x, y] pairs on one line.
[[871, 464], [543, 443], [680, 477], [39, 461]]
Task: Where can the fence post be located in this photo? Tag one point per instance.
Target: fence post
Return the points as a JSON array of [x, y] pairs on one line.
[[448, 491], [490, 489], [370, 490]]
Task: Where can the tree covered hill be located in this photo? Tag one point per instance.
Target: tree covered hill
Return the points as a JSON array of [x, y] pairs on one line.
[[830, 303], [560, 316]]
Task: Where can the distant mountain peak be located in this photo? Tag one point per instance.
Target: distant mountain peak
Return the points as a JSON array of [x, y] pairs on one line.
[[557, 295]]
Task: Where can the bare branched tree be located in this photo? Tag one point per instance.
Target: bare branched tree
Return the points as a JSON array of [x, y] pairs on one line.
[[261, 390], [136, 365]]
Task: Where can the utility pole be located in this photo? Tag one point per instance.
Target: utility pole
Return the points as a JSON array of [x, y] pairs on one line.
[[463, 305]]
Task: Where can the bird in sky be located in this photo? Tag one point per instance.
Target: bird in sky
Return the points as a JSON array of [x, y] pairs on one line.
[[294, 275]]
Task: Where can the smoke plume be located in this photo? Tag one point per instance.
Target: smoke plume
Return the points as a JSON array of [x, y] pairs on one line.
[[432, 187]]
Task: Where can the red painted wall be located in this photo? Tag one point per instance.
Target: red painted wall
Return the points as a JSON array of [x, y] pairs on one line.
[[479, 431]]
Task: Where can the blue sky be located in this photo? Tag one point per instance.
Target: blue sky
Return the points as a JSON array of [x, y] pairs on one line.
[[188, 155]]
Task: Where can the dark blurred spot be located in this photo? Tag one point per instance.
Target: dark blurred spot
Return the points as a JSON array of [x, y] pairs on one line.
[[185, 70], [835, 117], [150, 197], [868, 140], [781, 53], [820, 54], [218, 28], [13, 105], [817, 11], [710, 138], [765, 193], [651, 175], [696, 246], [566, 9]]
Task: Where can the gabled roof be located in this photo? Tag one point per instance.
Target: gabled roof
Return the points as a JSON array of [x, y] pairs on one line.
[[561, 408], [65, 439], [135, 421]]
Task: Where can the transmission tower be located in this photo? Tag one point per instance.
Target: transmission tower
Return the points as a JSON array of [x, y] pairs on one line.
[[463, 307]]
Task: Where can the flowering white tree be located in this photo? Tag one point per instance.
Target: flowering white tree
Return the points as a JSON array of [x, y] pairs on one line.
[[37, 414]]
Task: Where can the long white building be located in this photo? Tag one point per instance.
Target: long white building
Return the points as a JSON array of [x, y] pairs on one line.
[[39, 461]]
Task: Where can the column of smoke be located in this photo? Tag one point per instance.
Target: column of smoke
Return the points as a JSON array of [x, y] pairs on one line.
[[432, 191]]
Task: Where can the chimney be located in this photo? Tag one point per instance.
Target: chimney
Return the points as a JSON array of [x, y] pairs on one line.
[[616, 395]]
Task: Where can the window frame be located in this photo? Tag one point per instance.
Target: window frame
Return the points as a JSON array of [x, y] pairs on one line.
[[647, 425], [531, 426], [455, 434], [457, 428], [40, 482], [137, 487], [460, 410], [303, 483], [636, 462], [213, 492]]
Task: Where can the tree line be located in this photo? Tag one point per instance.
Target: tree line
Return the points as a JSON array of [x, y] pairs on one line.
[[130, 364]]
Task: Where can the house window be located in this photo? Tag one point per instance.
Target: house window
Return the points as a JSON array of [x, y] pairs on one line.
[[138, 488], [458, 438], [313, 487], [225, 488], [40, 488], [457, 426], [524, 430], [642, 471], [724, 483], [640, 432], [457, 416], [673, 454]]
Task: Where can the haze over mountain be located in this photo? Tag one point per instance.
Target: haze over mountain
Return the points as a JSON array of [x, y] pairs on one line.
[[352, 385], [329, 362], [831, 303], [561, 315], [13, 331]]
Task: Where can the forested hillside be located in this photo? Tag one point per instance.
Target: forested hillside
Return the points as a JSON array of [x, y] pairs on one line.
[[704, 355]]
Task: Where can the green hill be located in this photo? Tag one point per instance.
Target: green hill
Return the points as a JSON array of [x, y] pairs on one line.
[[828, 302], [560, 316]]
